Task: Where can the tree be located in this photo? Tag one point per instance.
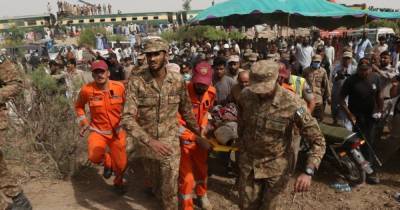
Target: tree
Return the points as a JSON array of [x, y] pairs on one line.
[[14, 37], [88, 36], [186, 5], [196, 33]]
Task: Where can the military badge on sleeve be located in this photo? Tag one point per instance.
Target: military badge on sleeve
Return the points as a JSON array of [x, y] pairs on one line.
[[2, 59]]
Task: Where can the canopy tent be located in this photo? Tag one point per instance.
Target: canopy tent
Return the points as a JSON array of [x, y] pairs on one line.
[[292, 13], [382, 15]]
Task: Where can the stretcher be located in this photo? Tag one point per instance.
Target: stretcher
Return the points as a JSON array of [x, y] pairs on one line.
[[222, 159], [217, 147]]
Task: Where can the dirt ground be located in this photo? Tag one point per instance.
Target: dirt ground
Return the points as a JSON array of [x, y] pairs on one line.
[[90, 191]]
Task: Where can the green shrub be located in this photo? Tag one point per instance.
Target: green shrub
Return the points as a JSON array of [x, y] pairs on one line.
[[15, 39], [49, 123], [117, 38], [43, 82], [169, 36], [88, 36], [196, 33], [385, 23]]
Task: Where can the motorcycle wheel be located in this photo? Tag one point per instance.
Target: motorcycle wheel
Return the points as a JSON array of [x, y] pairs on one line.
[[352, 171]]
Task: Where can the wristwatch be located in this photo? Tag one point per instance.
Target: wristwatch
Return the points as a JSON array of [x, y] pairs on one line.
[[309, 171]]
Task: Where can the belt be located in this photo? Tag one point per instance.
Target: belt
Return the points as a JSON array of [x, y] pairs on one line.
[[106, 132]]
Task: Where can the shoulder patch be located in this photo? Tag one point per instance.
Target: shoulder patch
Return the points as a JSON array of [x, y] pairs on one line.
[[2, 59], [301, 111]]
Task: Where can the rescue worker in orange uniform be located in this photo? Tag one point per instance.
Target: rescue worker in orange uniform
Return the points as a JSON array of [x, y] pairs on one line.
[[105, 99], [194, 151]]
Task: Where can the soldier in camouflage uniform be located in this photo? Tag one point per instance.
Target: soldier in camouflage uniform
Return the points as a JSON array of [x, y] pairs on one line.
[[317, 77], [154, 97], [271, 120], [11, 195]]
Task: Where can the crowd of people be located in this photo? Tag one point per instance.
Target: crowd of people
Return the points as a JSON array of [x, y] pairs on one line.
[[84, 10], [382, 9], [274, 90]]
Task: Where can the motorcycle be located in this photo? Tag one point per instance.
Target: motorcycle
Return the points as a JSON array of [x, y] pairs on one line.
[[343, 152]]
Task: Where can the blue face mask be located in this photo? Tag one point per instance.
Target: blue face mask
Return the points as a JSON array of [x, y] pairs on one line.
[[315, 65], [187, 77]]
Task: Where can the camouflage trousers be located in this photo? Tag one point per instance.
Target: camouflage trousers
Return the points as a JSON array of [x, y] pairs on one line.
[[9, 187], [163, 176], [260, 194]]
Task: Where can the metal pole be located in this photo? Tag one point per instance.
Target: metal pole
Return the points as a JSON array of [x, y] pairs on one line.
[[365, 22], [288, 24]]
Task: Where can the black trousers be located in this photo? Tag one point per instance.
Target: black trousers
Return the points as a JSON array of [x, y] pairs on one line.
[[368, 128]]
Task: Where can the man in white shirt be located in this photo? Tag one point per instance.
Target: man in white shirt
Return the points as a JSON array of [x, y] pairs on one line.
[[362, 46], [319, 42], [381, 46], [330, 52], [304, 53], [236, 47], [395, 56]]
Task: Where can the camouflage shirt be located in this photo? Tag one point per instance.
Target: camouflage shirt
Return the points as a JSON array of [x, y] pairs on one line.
[[10, 85], [10, 81], [318, 79], [150, 111], [269, 133]]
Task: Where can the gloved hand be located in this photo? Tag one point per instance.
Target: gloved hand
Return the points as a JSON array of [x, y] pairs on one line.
[[203, 143], [377, 116]]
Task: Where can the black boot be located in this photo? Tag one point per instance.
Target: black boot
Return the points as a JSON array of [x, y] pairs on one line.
[[120, 189], [20, 202], [107, 173]]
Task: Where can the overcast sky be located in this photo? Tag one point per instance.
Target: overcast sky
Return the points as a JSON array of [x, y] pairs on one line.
[[35, 7]]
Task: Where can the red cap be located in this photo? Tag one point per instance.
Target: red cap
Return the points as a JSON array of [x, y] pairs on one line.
[[202, 73], [99, 64]]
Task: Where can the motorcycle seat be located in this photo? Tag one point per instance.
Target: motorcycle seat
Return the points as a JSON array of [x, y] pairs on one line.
[[334, 134]]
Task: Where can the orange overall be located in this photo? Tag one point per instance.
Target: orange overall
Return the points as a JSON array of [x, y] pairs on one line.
[[193, 164], [288, 87], [105, 113]]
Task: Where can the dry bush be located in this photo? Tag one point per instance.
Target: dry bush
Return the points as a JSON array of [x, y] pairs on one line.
[[44, 118]]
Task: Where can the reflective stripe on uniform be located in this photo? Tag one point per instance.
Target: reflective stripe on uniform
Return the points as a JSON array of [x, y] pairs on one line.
[[186, 196], [80, 119], [181, 129], [297, 84], [106, 132], [187, 142]]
